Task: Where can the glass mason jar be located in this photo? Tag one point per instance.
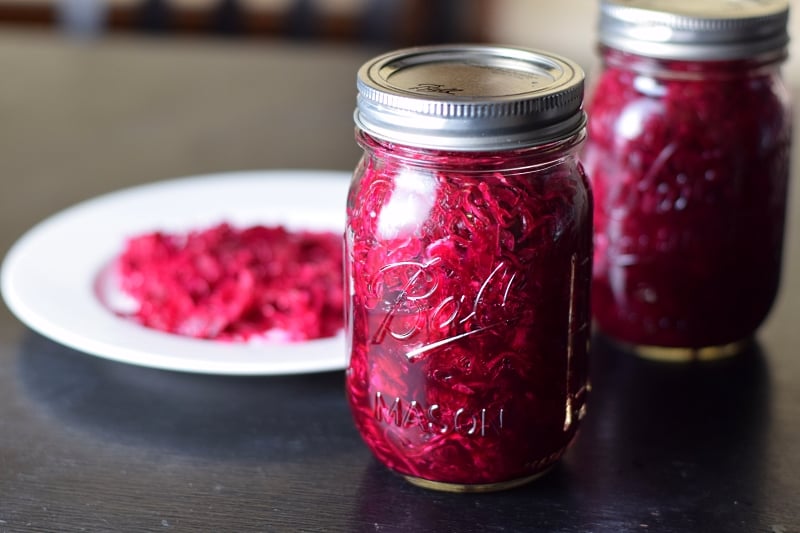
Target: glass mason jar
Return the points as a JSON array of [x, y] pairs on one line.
[[688, 153], [468, 258]]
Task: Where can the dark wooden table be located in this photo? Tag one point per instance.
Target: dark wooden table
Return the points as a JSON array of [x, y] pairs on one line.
[[88, 444]]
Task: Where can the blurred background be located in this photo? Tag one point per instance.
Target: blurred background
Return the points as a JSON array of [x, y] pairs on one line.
[[98, 95], [380, 21], [389, 23], [565, 26]]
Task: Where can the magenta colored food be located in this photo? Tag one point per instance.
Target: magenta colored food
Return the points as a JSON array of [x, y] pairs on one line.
[[469, 311], [689, 172], [236, 284]]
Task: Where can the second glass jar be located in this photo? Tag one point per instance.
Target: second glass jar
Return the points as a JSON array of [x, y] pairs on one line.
[[688, 152]]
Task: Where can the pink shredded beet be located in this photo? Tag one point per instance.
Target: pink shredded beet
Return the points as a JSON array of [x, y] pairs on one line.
[[690, 175], [469, 315], [237, 284]]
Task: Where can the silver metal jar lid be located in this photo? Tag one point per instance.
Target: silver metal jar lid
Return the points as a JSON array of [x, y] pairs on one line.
[[695, 29], [470, 97]]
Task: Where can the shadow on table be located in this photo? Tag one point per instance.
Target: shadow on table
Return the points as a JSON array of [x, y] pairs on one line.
[[666, 447], [685, 443], [264, 418]]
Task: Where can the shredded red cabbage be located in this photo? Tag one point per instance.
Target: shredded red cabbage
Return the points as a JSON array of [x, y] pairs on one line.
[[469, 309], [689, 172], [237, 284]]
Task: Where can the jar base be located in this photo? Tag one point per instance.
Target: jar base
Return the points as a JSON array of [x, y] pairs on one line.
[[669, 354], [476, 487]]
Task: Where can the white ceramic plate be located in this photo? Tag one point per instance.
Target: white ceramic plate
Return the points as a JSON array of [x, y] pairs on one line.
[[54, 277]]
